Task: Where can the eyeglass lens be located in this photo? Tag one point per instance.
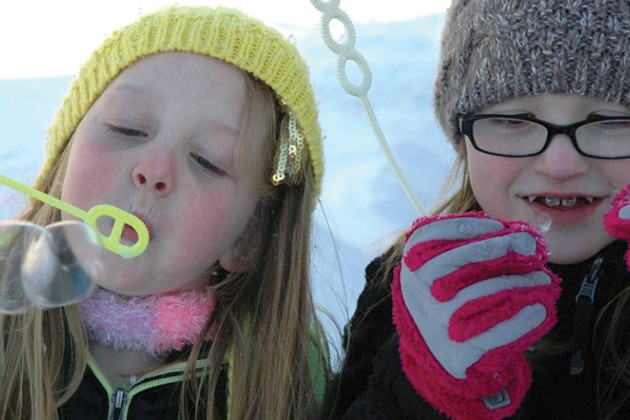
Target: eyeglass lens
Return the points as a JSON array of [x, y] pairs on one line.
[[512, 136]]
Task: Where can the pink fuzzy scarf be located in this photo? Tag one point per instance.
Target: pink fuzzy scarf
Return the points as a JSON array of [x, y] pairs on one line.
[[155, 324]]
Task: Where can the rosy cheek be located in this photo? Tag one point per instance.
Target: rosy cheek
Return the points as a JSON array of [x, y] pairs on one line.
[[479, 174], [618, 174], [214, 225], [90, 170]]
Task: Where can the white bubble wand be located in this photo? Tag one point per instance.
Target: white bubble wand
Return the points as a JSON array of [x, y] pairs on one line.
[[346, 52]]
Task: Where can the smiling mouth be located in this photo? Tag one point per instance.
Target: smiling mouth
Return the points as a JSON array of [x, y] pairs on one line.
[[561, 202]]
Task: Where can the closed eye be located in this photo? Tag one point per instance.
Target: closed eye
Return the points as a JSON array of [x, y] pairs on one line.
[[207, 165], [507, 122], [130, 132], [613, 125]]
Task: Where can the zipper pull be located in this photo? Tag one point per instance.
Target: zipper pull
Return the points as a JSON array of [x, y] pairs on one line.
[[118, 401], [589, 284]]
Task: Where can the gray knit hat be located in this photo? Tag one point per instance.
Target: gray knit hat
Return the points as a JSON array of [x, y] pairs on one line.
[[495, 50]]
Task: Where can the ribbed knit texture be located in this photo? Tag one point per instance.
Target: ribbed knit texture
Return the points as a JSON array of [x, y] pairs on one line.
[[495, 50], [221, 33]]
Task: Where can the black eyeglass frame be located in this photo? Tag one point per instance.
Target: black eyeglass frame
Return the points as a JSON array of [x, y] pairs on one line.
[[465, 124]]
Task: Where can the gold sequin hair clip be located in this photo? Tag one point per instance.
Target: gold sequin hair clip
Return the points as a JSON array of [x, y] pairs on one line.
[[289, 157]]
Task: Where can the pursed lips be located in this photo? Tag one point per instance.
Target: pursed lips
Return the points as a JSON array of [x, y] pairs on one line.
[[129, 236]]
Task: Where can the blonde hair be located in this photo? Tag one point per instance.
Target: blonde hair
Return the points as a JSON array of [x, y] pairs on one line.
[[264, 318]]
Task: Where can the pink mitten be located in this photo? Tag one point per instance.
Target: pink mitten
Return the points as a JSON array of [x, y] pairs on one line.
[[617, 220], [470, 296]]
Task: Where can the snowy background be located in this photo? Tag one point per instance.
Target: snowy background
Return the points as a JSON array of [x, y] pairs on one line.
[[362, 206]]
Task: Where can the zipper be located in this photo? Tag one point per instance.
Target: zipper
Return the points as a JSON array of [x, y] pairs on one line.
[[121, 398], [118, 402], [584, 300]]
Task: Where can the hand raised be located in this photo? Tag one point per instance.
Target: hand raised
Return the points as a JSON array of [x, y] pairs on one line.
[[617, 219], [470, 296]]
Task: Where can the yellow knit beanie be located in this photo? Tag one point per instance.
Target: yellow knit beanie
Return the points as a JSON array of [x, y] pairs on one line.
[[221, 33]]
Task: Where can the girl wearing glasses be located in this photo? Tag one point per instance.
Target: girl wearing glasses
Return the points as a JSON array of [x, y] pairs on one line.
[[513, 298]]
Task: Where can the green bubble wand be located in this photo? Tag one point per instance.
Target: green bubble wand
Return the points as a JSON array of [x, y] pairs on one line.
[[121, 218]]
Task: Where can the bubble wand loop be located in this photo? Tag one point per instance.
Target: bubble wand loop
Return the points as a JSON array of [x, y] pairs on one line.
[[346, 52], [121, 218]]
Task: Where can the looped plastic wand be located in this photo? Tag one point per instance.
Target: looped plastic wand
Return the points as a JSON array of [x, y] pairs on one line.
[[346, 52]]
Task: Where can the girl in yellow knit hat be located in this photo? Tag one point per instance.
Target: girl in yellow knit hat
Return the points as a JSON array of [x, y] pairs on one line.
[[202, 123]]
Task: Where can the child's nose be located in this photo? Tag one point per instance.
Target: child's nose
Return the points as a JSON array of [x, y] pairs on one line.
[[561, 159], [154, 171]]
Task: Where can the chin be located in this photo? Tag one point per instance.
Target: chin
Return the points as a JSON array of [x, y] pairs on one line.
[[563, 259], [125, 287]]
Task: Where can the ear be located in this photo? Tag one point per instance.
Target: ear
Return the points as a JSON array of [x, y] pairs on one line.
[[234, 260]]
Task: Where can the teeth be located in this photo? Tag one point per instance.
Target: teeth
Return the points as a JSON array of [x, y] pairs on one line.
[[552, 201], [556, 201]]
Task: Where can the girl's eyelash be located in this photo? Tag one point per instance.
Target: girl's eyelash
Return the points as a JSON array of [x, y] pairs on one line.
[[207, 165], [131, 132]]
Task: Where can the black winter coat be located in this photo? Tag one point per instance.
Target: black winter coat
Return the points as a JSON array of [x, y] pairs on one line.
[[371, 384]]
